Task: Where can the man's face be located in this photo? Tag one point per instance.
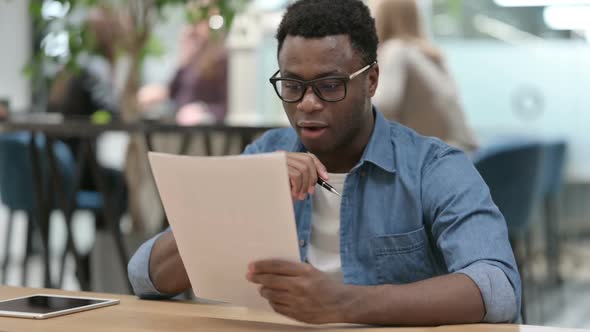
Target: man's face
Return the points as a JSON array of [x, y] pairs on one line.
[[327, 127]]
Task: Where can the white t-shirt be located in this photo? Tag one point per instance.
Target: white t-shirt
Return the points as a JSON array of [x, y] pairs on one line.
[[324, 245]]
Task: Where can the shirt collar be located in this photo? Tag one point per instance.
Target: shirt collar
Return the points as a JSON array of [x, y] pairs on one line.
[[379, 150]]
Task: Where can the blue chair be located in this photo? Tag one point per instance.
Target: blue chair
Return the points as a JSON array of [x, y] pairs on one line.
[[18, 191], [513, 170], [553, 164]]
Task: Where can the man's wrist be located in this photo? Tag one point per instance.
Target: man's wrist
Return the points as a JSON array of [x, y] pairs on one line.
[[362, 305], [353, 303]]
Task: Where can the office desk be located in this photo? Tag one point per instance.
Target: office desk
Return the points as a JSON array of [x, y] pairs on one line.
[[137, 315]]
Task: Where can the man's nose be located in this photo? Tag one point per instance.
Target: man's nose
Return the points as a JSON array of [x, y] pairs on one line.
[[310, 102]]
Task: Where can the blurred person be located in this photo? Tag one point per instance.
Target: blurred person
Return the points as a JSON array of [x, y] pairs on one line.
[[3, 112], [91, 89], [198, 90], [415, 87]]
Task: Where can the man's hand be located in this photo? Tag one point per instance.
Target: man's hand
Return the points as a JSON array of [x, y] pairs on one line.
[[166, 269], [304, 169], [302, 292]]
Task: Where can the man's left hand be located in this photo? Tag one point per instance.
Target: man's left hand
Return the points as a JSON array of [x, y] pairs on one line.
[[300, 291]]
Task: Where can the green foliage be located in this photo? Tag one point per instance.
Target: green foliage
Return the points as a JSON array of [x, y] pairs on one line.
[[80, 40], [153, 47], [455, 8]]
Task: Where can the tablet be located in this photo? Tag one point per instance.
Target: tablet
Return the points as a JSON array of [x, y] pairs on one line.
[[41, 306]]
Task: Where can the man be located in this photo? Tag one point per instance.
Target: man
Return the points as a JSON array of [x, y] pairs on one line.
[[415, 238]]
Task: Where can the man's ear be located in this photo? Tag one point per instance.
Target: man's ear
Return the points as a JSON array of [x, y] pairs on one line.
[[373, 77]]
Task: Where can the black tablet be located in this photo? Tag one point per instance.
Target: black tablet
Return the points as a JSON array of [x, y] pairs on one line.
[[41, 306]]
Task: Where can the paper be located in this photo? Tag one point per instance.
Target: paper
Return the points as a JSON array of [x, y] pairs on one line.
[[226, 212]]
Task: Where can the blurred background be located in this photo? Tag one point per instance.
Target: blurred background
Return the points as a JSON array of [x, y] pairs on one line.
[[522, 68]]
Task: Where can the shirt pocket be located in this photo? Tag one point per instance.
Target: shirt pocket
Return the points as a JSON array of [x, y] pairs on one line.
[[403, 258]]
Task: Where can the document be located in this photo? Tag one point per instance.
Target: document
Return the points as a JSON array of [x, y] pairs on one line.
[[226, 212]]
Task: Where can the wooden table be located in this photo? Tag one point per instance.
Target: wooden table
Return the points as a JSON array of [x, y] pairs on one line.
[[137, 315]]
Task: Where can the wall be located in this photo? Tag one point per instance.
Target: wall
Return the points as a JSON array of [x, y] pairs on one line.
[[536, 88], [15, 51]]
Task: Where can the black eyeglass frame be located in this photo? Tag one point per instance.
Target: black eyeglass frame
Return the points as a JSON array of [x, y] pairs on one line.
[[345, 79]]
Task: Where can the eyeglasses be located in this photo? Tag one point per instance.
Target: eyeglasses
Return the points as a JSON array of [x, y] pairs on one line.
[[330, 89]]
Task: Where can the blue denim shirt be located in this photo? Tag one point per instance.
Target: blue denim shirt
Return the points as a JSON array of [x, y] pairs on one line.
[[412, 208]]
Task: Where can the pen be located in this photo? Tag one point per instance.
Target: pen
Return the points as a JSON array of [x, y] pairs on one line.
[[326, 185]]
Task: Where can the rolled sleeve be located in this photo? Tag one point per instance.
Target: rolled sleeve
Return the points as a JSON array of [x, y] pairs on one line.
[[138, 271], [471, 233], [497, 292]]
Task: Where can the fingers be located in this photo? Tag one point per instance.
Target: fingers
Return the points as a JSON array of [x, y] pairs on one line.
[[299, 174], [279, 267], [270, 281], [304, 169], [290, 306], [280, 297], [283, 309], [321, 169]]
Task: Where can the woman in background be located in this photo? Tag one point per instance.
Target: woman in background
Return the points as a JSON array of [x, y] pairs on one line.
[[90, 89], [415, 88], [199, 87]]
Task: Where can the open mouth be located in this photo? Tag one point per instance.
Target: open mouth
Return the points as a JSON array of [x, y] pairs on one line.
[[312, 129]]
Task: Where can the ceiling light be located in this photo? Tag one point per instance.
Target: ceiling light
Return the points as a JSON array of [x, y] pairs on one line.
[[539, 3], [567, 17]]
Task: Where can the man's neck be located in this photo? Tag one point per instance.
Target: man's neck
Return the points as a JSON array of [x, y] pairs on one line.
[[339, 164]]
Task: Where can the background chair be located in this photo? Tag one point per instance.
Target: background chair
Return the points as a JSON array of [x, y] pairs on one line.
[[17, 190], [554, 164], [20, 192]]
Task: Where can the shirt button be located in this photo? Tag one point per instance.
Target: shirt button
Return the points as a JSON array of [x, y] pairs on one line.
[[363, 173], [302, 243]]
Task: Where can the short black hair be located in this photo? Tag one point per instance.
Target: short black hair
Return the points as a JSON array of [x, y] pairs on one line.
[[322, 18]]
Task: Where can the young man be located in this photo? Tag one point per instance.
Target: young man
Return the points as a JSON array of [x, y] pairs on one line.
[[415, 238]]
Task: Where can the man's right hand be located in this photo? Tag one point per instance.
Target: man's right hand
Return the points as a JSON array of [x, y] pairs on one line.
[[166, 269], [304, 169]]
